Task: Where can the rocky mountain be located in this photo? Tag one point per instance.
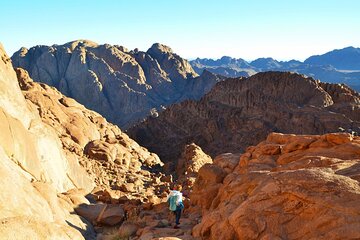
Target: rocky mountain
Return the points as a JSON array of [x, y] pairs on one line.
[[34, 170], [286, 187], [67, 173], [53, 152], [240, 112], [338, 66], [124, 86], [108, 155], [346, 59]]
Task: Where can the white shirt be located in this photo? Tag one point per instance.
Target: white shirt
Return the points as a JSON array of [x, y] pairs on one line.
[[175, 193]]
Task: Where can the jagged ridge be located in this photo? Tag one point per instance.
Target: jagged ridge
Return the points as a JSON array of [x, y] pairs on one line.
[[240, 112], [124, 86]]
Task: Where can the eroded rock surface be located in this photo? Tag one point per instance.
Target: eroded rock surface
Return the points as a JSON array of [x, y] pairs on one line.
[[53, 153], [189, 164], [238, 113], [124, 86], [34, 172], [107, 154], [286, 187]]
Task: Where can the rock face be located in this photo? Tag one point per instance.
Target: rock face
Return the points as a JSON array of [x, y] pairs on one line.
[[53, 152], [124, 86], [286, 187], [337, 66], [109, 156], [34, 171], [240, 112], [189, 164]]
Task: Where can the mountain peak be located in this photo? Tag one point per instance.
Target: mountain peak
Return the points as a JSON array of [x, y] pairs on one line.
[[158, 47], [346, 59], [80, 42]]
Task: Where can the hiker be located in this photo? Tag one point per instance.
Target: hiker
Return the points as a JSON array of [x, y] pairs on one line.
[[176, 203]]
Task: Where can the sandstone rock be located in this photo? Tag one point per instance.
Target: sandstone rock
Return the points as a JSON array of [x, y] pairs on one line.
[[35, 146], [108, 214], [167, 238], [29, 228], [127, 229], [107, 154], [76, 196], [100, 150], [192, 160], [310, 184], [11, 98], [106, 195], [338, 138], [42, 143], [212, 173], [34, 209], [227, 161]]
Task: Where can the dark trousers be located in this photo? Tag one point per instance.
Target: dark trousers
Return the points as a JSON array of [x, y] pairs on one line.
[[177, 214]]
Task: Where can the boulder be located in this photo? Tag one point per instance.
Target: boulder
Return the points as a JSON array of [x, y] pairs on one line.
[[258, 200], [127, 230], [107, 214], [100, 150]]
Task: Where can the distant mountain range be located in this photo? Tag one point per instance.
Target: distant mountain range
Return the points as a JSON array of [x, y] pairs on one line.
[[127, 86], [337, 66]]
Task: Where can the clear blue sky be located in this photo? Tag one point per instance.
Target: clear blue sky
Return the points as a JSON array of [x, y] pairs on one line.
[[283, 29]]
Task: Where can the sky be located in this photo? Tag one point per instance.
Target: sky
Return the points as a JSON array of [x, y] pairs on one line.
[[248, 29]]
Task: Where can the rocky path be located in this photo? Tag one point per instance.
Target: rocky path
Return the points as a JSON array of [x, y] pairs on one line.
[[165, 230], [156, 224], [160, 225]]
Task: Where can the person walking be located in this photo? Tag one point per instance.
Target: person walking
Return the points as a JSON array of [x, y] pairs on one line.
[[176, 205]]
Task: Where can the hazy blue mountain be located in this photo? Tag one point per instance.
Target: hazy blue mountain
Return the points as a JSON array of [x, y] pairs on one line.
[[224, 61], [264, 64], [226, 66], [346, 58], [337, 66]]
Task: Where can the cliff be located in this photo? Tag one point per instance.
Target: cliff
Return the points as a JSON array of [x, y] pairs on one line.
[[240, 112], [124, 86]]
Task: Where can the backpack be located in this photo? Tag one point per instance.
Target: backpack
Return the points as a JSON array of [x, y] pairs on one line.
[[172, 203]]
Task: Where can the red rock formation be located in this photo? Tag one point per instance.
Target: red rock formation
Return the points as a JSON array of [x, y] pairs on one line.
[[240, 112], [53, 151], [108, 154], [34, 171], [286, 187], [189, 164]]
